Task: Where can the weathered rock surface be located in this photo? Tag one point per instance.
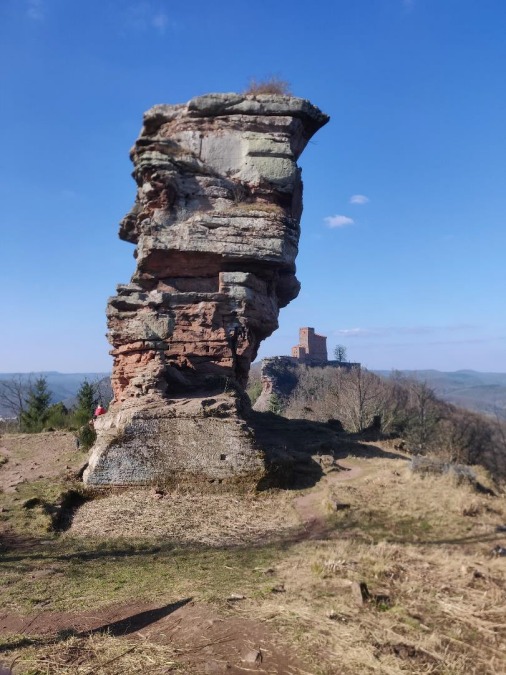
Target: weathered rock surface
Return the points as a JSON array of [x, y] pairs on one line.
[[216, 226]]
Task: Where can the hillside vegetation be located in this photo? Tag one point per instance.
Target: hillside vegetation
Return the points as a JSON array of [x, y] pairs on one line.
[[481, 392], [408, 409], [62, 387]]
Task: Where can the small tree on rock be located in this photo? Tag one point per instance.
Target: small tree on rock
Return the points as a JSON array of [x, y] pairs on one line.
[[270, 85]]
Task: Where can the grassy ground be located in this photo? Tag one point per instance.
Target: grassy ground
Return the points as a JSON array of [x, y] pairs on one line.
[[423, 547], [398, 577], [73, 575]]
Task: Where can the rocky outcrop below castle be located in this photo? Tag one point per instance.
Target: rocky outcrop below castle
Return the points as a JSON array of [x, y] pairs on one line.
[[279, 376], [216, 228]]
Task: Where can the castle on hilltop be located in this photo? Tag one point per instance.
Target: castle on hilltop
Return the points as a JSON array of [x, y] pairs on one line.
[[312, 348], [280, 374], [312, 351]]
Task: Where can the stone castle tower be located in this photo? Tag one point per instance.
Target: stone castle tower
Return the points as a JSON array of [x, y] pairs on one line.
[[312, 348]]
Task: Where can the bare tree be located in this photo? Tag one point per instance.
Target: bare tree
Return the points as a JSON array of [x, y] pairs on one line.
[[351, 395], [316, 396], [340, 353], [425, 415], [103, 389], [14, 393], [394, 406], [360, 396]]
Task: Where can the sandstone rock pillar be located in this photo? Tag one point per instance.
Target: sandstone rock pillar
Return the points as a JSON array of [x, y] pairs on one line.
[[216, 228]]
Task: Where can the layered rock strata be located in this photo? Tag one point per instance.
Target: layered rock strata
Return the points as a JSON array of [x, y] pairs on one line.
[[216, 228]]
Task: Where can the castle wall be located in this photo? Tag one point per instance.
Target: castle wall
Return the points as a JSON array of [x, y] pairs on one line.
[[312, 348]]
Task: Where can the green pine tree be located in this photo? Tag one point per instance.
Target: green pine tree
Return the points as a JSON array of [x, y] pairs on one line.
[[87, 399], [57, 416], [34, 418], [275, 404]]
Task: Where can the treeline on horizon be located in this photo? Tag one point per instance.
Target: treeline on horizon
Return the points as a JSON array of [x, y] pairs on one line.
[[29, 402]]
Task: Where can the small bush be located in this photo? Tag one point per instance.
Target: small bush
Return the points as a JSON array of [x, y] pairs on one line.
[[271, 85], [275, 405], [86, 436], [254, 388]]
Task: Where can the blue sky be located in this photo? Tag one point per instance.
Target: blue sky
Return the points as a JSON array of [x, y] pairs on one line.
[[403, 245]]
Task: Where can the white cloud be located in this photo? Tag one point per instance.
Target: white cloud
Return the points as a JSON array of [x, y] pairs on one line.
[[338, 221], [160, 21], [145, 16], [35, 10], [391, 331], [359, 199], [355, 332]]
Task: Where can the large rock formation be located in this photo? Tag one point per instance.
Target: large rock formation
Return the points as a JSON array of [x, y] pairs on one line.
[[216, 225]]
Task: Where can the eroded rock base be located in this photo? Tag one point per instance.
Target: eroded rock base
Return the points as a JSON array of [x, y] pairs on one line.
[[214, 442], [177, 442]]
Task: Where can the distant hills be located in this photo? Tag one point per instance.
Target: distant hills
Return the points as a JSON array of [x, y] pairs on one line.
[[482, 392]]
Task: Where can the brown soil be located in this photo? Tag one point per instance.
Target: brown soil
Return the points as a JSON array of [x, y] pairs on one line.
[[32, 457], [206, 641]]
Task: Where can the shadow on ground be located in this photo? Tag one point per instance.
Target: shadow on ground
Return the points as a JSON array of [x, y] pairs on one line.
[[136, 622], [126, 626], [291, 445]]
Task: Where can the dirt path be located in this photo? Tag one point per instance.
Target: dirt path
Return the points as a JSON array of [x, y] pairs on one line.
[[310, 507]]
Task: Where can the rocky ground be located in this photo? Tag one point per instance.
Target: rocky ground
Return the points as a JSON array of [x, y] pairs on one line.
[[374, 569]]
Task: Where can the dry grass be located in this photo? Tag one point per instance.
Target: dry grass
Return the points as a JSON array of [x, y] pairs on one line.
[[448, 608], [213, 520], [67, 576], [271, 85], [437, 594], [96, 653], [259, 207]]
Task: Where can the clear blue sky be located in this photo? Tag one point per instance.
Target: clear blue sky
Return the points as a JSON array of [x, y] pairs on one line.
[[416, 91]]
